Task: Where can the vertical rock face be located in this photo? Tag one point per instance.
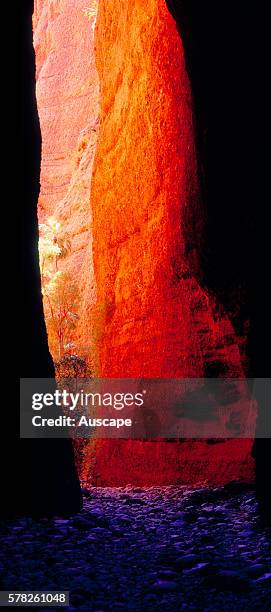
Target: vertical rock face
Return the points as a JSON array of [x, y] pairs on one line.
[[67, 96], [151, 317], [157, 320]]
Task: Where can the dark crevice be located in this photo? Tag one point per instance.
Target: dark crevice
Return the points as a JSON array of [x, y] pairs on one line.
[[41, 478], [219, 49], [214, 60]]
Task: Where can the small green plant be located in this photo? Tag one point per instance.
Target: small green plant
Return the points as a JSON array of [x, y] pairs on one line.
[[91, 11], [59, 289], [54, 244]]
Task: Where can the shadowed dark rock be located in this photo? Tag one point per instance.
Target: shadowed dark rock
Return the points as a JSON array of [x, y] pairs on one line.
[[233, 251], [41, 479]]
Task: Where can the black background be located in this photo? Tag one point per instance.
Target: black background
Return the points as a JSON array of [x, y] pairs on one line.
[[224, 60]]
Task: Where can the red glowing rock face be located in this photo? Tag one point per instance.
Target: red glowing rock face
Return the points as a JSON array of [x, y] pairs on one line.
[[157, 320], [152, 318]]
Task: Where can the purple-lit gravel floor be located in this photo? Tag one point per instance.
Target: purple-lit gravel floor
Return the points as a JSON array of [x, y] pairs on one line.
[[161, 548]]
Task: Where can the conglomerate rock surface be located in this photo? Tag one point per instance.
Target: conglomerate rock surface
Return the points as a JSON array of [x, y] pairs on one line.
[[141, 220], [152, 317]]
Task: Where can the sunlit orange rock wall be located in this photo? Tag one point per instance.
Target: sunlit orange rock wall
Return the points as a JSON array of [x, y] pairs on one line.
[[153, 317], [67, 95]]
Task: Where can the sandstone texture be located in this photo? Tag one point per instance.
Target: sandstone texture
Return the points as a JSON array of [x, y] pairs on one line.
[[138, 221], [67, 91], [157, 319]]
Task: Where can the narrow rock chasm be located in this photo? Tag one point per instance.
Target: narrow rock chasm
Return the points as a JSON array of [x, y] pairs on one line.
[[140, 254]]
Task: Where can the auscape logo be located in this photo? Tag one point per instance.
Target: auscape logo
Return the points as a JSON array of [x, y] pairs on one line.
[[88, 422], [63, 421]]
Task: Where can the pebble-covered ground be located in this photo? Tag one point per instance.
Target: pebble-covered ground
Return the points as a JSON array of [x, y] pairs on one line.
[[161, 548]]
